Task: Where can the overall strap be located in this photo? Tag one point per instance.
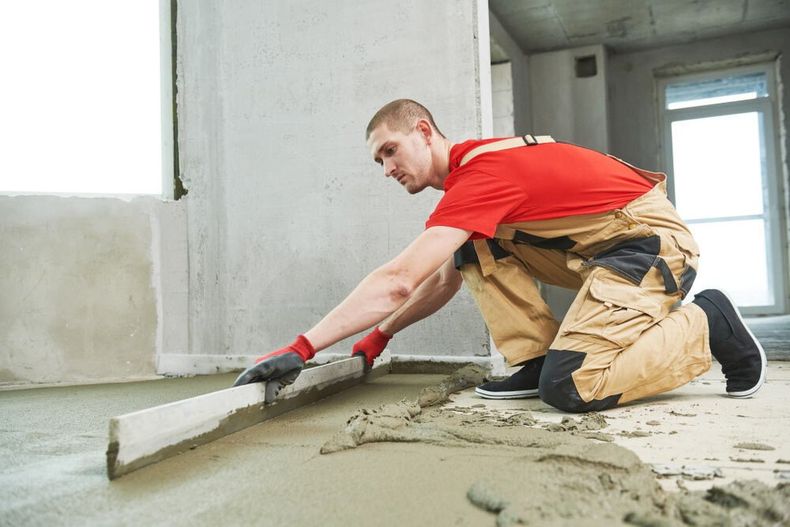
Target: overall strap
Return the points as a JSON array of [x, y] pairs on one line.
[[486, 252], [504, 144]]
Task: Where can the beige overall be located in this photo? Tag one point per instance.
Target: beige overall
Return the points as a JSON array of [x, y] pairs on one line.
[[623, 337]]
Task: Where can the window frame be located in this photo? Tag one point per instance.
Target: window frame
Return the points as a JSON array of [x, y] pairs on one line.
[[777, 257], [167, 103]]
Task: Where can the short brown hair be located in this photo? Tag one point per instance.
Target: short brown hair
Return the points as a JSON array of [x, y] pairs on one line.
[[400, 115]]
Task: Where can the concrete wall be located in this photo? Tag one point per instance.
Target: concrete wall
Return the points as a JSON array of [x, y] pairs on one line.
[[502, 98], [519, 77], [566, 107], [80, 287], [286, 210]]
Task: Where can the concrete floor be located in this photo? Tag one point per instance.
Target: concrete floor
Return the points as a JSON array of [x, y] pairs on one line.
[[53, 441], [696, 427]]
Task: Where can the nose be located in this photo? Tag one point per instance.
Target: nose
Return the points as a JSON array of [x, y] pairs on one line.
[[389, 168]]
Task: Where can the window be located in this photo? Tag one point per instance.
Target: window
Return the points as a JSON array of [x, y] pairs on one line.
[[720, 152], [80, 97], [716, 90]]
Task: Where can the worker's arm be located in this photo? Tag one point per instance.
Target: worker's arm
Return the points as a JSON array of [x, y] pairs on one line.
[[376, 297], [389, 287], [431, 296]]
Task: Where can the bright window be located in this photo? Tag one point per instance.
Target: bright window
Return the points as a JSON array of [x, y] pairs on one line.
[[80, 97], [719, 141], [716, 90]]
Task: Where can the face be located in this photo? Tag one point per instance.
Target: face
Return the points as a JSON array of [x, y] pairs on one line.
[[406, 158]]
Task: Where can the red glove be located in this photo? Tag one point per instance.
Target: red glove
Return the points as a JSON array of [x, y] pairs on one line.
[[282, 365], [371, 346], [301, 346]]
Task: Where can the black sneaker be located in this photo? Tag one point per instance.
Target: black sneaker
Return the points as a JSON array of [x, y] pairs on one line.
[[520, 385], [740, 354]]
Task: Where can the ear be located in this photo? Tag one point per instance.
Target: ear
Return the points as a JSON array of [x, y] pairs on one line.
[[425, 130]]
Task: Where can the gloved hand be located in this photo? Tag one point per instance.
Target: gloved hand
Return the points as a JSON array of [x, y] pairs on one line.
[[282, 365], [371, 346]]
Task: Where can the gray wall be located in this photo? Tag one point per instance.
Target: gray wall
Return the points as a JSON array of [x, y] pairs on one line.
[[286, 210], [522, 115], [502, 99], [564, 106], [79, 282]]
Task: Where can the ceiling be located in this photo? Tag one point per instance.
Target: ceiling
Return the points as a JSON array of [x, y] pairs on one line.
[[626, 25]]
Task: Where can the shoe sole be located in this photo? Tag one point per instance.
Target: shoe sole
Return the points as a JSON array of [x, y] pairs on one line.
[[518, 394], [763, 358]]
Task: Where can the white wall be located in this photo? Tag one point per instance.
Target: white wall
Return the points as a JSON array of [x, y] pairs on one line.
[[286, 210]]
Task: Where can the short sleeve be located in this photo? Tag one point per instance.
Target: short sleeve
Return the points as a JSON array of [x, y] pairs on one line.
[[477, 202]]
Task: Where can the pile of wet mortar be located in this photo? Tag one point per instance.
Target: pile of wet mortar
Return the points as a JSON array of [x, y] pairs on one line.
[[556, 473]]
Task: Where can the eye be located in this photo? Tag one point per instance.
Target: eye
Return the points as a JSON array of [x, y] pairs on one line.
[[391, 151]]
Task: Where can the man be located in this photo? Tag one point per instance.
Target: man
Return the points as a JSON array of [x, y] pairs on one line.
[[519, 209]]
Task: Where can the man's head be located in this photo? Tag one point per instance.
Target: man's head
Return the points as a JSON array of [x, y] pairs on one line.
[[405, 140], [401, 115]]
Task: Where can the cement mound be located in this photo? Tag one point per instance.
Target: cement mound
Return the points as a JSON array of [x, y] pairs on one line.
[[470, 375], [555, 475]]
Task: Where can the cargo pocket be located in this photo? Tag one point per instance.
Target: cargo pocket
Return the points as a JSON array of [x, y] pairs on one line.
[[631, 259], [630, 310], [690, 250], [613, 309]]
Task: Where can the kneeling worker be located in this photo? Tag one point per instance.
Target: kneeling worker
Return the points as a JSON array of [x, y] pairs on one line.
[[525, 208]]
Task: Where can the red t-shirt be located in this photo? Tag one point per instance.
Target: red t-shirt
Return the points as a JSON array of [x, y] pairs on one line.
[[529, 183]]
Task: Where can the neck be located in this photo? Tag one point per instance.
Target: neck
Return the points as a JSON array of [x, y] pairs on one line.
[[441, 161]]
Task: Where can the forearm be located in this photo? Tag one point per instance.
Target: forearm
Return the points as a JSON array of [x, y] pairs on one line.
[[431, 296], [373, 300], [387, 288]]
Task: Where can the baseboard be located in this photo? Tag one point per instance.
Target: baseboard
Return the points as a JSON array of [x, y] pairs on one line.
[[435, 364]]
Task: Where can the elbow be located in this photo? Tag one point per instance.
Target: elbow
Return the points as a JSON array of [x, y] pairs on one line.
[[400, 292], [400, 286]]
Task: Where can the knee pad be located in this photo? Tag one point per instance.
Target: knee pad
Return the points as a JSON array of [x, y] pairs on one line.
[[556, 386]]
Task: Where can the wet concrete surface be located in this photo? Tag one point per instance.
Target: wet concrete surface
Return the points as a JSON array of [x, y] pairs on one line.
[[53, 442], [696, 426], [493, 460]]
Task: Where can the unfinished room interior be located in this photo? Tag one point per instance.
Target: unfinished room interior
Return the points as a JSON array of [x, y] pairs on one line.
[[219, 307]]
